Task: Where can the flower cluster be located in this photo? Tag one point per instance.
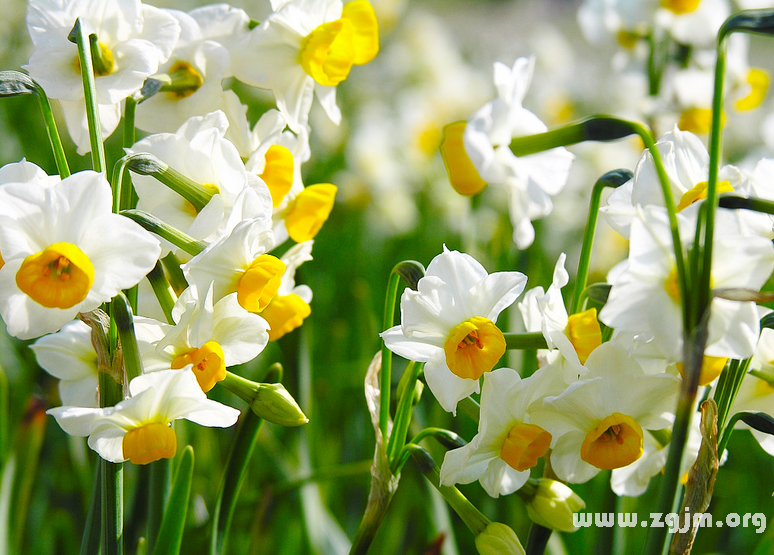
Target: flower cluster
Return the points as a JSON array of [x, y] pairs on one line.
[[233, 217]]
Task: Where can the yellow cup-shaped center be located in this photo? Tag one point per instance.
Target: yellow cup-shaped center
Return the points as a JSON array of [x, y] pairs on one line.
[[185, 80], [525, 444], [711, 367], [680, 6], [260, 282], [474, 347], [699, 192], [209, 365], [463, 176], [60, 276], [614, 443], [284, 314], [149, 443], [309, 210], [584, 333], [365, 30], [278, 172]]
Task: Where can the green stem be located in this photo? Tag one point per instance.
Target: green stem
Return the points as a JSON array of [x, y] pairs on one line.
[[403, 414], [122, 313], [111, 479], [385, 376], [612, 179], [159, 486], [163, 291], [532, 340], [130, 110], [165, 231], [53, 133], [78, 36], [728, 386]]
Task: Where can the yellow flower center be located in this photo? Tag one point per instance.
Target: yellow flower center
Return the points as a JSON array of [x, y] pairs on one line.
[[328, 53], [60, 276], [584, 333], [525, 444], [278, 172], [474, 347], [149, 443], [758, 80], [627, 39], [260, 282], [463, 176], [284, 314], [2, 262], [672, 285], [185, 80], [699, 192], [209, 364], [615, 442], [309, 210], [711, 367], [680, 6], [696, 120], [103, 65]]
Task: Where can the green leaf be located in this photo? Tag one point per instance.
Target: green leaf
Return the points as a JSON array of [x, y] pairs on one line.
[[173, 525]]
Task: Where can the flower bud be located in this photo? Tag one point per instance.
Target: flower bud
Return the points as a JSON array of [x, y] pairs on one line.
[[498, 539], [553, 505], [274, 404]]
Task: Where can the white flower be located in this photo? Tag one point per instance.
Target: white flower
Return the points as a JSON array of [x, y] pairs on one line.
[[448, 323], [199, 151], [597, 422], [645, 296], [65, 252], [137, 429], [530, 180], [686, 163], [26, 172], [507, 445], [70, 356], [209, 335], [133, 40], [306, 48]]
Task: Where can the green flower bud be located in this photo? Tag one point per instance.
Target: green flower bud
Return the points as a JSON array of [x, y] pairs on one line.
[[274, 404], [553, 505], [498, 539]]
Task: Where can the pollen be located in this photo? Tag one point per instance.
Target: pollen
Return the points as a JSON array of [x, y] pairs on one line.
[[614, 443], [149, 443], [525, 444], [208, 362], [278, 172], [260, 282], [474, 347], [309, 211], [60, 276], [463, 175], [584, 333]]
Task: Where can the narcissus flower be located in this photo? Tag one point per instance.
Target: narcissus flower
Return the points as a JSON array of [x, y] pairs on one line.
[[449, 323], [507, 445], [306, 48], [208, 335], [137, 429], [597, 422], [65, 252]]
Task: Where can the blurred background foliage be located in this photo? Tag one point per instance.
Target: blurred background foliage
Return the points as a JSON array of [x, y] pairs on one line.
[[306, 489]]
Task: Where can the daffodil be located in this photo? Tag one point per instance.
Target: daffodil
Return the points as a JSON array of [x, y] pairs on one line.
[[200, 152], [598, 422], [137, 429], [507, 445], [209, 335], [133, 39], [305, 48], [480, 153], [65, 252], [686, 163], [646, 299], [449, 324]]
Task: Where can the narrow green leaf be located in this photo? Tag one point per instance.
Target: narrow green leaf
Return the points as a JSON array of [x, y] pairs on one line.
[[233, 475], [6, 491], [172, 527], [93, 528]]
